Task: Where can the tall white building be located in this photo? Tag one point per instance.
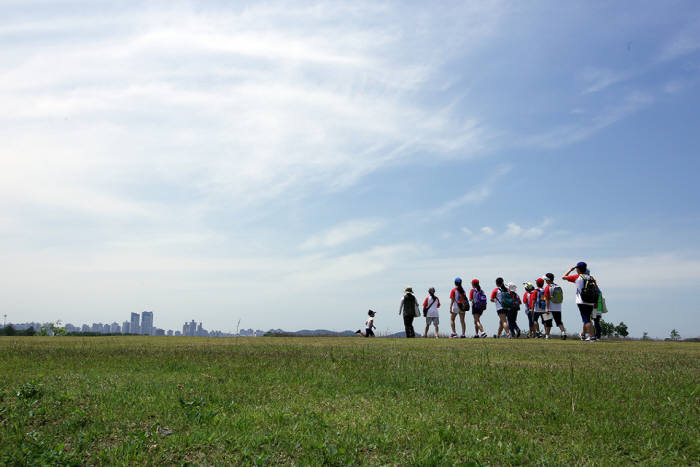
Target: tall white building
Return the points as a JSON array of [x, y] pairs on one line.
[[147, 323], [135, 327], [125, 327]]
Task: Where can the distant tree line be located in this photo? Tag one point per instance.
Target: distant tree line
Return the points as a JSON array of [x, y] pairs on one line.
[[10, 331]]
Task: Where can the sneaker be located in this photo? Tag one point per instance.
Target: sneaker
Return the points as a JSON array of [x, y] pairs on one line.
[[546, 337], [583, 337], [483, 334], [462, 336], [495, 336], [590, 339], [475, 336], [453, 335], [563, 335], [517, 332]]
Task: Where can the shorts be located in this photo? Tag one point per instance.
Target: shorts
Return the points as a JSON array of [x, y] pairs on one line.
[[456, 311], [557, 317], [477, 312], [369, 332], [538, 316], [502, 311], [586, 311], [432, 320]]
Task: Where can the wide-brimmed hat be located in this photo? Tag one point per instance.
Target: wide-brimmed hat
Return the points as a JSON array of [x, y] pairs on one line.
[[408, 289], [371, 312], [512, 287], [528, 285]]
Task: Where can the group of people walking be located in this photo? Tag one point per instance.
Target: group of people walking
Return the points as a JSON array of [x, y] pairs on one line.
[[542, 303]]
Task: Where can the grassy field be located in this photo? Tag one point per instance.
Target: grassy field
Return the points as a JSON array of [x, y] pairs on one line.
[[133, 400]]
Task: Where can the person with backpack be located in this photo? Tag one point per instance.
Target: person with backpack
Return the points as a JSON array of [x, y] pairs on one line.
[[512, 313], [587, 293], [478, 299], [554, 296], [409, 309], [528, 301], [503, 300], [430, 311], [539, 306], [459, 305], [369, 325]]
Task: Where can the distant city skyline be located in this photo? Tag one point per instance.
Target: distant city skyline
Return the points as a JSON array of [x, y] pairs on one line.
[[142, 324]]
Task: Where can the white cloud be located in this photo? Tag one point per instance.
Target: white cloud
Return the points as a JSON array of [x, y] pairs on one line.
[[571, 133], [241, 105], [515, 230], [486, 230], [342, 233], [477, 194], [598, 79], [686, 41], [467, 231]]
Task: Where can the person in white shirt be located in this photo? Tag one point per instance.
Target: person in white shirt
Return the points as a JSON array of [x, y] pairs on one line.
[[553, 295], [430, 311], [585, 306], [498, 297], [369, 325]]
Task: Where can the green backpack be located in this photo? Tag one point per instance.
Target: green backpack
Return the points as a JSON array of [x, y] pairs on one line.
[[556, 294], [507, 301]]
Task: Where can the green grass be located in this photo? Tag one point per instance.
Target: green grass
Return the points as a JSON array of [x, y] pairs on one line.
[[133, 400]]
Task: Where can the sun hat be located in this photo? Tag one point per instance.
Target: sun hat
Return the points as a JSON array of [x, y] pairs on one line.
[[539, 282], [512, 287], [528, 285], [408, 289]]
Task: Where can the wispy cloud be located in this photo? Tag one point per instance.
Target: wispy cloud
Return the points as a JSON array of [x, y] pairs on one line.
[[477, 194], [241, 105], [514, 230], [570, 133], [686, 41], [343, 233], [597, 79]]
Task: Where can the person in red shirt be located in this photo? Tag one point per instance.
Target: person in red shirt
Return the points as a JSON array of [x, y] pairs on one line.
[[529, 302], [539, 305]]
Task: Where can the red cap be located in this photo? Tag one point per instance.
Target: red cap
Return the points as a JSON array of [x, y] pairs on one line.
[[540, 282], [475, 281]]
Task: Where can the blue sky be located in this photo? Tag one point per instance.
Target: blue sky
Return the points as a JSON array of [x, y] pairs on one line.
[[294, 164]]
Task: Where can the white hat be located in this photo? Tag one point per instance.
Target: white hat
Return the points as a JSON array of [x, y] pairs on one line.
[[512, 287]]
